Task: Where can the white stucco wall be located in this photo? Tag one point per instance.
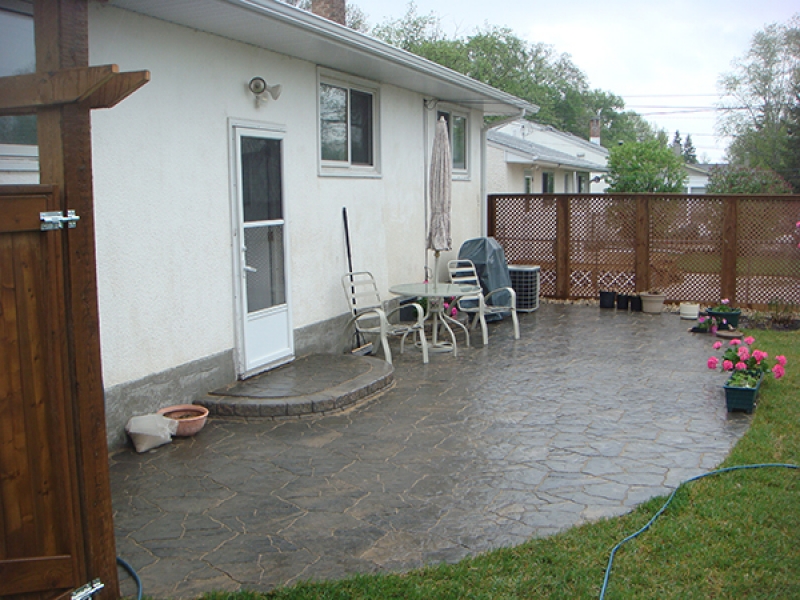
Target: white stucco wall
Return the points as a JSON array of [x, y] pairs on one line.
[[162, 193]]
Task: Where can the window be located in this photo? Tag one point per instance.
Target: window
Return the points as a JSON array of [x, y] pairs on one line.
[[548, 182], [16, 31], [346, 125], [583, 183], [528, 184], [457, 132]]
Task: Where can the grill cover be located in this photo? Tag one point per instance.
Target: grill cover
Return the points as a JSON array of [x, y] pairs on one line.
[[490, 262]]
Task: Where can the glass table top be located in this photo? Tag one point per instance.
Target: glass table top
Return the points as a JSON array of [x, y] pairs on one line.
[[437, 289]]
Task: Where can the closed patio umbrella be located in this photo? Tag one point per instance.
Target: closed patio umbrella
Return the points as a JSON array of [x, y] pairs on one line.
[[440, 181]]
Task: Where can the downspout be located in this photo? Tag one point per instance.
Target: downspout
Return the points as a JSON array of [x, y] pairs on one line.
[[484, 131]]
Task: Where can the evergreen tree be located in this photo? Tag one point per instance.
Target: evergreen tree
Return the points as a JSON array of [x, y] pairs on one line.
[[689, 152]]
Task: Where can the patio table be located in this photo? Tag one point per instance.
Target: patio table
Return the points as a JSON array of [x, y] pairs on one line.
[[436, 293]]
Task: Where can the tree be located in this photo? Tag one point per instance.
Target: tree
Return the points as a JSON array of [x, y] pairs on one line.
[[534, 72], [731, 179], [758, 96], [676, 141], [647, 166], [689, 152]]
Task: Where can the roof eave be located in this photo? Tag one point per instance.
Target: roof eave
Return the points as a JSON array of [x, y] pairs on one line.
[[328, 44]]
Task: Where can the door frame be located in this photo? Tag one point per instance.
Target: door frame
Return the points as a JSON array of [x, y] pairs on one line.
[[275, 131]]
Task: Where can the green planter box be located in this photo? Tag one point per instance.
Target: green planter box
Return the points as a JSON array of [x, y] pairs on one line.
[[731, 317], [738, 398]]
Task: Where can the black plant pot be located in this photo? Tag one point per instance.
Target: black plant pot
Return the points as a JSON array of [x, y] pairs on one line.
[[623, 301], [636, 303], [607, 299]]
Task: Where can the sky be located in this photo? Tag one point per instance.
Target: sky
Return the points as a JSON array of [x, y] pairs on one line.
[[663, 57]]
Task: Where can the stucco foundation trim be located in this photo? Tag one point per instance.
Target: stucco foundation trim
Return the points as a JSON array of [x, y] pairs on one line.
[[183, 384]]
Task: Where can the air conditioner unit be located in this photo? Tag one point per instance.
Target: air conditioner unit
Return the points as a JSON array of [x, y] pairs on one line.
[[525, 281]]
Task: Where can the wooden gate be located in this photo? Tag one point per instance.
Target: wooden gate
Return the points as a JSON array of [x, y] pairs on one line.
[[56, 525], [39, 544]]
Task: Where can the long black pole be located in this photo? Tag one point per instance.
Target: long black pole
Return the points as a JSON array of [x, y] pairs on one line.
[[358, 336]]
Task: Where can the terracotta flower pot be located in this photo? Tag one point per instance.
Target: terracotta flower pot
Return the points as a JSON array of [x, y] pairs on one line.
[[190, 417]]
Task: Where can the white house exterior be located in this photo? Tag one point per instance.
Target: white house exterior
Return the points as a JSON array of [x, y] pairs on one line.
[[697, 178], [526, 157], [219, 230]]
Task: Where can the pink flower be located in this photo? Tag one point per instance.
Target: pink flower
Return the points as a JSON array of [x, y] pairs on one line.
[[781, 359], [758, 355], [798, 224], [454, 311], [743, 352], [735, 342], [713, 362], [778, 371], [749, 340], [727, 365], [717, 345], [740, 366], [713, 329], [725, 301]]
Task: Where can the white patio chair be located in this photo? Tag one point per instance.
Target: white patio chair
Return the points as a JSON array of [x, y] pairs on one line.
[[370, 319], [463, 271]]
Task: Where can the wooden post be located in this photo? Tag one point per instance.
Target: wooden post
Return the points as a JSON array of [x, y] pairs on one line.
[[729, 251], [562, 248], [491, 217], [642, 249], [61, 29]]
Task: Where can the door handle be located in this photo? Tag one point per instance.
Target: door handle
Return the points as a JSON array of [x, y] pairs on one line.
[[250, 269]]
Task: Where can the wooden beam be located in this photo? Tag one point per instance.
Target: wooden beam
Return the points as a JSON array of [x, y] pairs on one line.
[[56, 87], [730, 217], [563, 274], [62, 42], [642, 244], [117, 88]]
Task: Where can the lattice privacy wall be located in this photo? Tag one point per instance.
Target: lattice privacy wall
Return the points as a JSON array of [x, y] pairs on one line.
[[684, 236]]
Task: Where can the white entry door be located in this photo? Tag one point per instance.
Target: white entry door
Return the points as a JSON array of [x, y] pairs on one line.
[[263, 310]]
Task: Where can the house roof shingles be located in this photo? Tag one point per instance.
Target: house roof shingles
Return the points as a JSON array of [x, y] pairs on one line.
[[541, 154]]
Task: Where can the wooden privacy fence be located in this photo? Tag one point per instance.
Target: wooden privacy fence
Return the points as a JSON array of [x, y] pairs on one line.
[[699, 248]]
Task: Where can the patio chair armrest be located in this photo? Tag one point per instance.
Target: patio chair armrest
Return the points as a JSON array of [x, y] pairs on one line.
[[420, 312], [511, 292], [378, 313]]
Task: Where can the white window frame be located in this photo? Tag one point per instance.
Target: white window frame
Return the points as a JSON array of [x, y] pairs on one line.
[[458, 173], [346, 168]]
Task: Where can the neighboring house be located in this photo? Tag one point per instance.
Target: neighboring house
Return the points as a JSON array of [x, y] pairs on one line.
[[697, 178], [526, 157], [219, 234]]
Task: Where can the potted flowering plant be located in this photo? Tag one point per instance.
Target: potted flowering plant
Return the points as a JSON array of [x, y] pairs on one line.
[[724, 315], [747, 367]]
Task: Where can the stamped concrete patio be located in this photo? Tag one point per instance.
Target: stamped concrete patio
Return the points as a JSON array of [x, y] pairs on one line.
[[590, 413]]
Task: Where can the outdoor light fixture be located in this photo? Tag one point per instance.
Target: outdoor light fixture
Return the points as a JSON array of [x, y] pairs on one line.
[[260, 89]]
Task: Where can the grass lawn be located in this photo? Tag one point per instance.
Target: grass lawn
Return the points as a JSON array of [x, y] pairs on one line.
[[730, 536]]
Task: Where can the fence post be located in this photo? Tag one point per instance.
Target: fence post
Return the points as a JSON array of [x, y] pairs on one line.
[[491, 216], [642, 244], [728, 272], [562, 248]]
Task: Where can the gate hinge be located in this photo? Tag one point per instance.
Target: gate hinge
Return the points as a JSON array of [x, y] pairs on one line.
[[88, 590], [55, 220]]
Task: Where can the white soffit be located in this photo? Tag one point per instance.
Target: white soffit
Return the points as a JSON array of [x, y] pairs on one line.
[[287, 30]]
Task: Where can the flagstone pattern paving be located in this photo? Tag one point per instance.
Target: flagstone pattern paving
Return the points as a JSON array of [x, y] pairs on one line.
[[592, 412]]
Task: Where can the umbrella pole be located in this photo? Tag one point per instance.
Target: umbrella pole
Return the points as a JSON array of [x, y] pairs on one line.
[[435, 269]]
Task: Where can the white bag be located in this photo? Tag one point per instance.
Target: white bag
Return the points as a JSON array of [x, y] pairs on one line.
[[151, 431]]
